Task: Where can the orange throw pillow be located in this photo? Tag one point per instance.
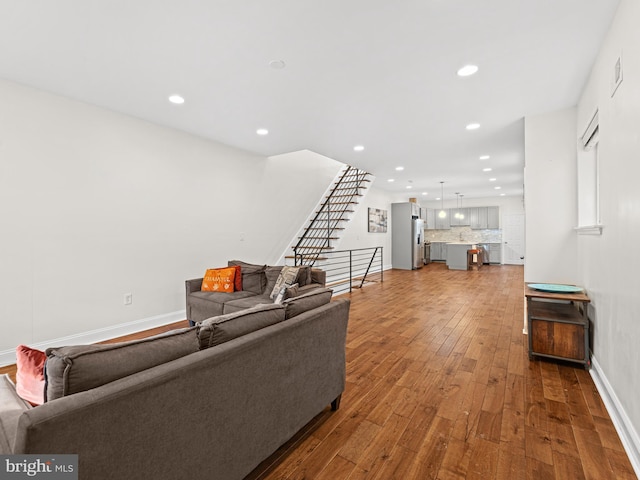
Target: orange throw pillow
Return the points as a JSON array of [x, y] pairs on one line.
[[30, 374], [237, 284], [219, 280]]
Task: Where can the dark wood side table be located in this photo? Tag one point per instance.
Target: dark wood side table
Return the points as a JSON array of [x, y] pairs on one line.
[[558, 325]]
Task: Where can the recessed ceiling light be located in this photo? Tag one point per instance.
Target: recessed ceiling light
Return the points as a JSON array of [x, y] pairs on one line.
[[177, 99], [492, 179], [408, 187], [277, 64], [486, 169], [485, 157], [391, 180], [358, 148], [467, 70], [438, 198], [502, 194], [262, 131], [425, 193], [473, 126], [399, 169], [497, 188]]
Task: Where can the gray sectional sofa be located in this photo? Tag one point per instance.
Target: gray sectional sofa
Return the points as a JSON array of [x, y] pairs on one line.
[[257, 283], [207, 402]]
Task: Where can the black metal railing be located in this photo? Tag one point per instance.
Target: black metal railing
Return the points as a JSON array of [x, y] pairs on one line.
[[315, 243], [349, 269]]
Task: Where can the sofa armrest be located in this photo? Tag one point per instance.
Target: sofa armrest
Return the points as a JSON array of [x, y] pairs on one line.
[[193, 285], [319, 276], [11, 408]]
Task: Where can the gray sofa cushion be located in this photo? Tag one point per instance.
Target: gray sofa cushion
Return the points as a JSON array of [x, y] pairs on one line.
[[272, 274], [253, 276], [77, 368], [304, 275], [244, 303], [217, 330], [209, 304], [308, 301]]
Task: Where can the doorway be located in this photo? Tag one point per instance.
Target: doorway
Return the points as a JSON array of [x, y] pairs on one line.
[[513, 239]]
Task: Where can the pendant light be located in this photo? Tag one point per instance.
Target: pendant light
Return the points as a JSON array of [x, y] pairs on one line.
[[442, 213], [460, 214], [457, 214]]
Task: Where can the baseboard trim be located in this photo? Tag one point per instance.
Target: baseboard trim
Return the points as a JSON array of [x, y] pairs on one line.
[[8, 357], [628, 435]]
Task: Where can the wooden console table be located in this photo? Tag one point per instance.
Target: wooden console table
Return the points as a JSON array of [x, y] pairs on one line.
[[558, 325]]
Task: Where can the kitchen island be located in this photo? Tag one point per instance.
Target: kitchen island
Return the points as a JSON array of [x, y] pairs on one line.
[[457, 254]]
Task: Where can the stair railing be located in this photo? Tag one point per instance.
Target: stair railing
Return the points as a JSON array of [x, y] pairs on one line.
[[349, 269], [308, 248]]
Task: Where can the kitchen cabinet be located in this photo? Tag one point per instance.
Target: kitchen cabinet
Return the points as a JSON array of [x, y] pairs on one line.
[[459, 222], [482, 218], [430, 219], [438, 251], [493, 252], [493, 217], [558, 326], [442, 223], [478, 218]]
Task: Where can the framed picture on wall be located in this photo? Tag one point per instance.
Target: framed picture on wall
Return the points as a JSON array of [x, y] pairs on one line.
[[377, 220]]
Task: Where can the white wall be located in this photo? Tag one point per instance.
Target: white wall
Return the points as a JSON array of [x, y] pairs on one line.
[[358, 236], [609, 264], [550, 198], [95, 204]]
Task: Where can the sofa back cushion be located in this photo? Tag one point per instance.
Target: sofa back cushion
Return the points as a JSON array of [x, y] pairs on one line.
[[78, 368], [308, 301], [253, 276], [304, 275], [217, 330]]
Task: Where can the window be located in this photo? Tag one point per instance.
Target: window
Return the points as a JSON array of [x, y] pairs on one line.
[[589, 220]]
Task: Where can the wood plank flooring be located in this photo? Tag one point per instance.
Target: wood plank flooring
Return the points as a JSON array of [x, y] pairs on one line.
[[439, 386]]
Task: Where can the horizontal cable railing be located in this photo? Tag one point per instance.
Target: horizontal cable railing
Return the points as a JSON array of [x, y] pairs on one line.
[[349, 269]]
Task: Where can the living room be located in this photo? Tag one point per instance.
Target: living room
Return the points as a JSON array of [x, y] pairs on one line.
[[97, 205]]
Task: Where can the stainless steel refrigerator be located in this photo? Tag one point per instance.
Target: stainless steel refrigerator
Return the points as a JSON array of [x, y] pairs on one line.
[[407, 236]]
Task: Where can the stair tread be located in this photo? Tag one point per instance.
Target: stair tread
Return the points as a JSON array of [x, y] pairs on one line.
[[335, 211], [322, 238]]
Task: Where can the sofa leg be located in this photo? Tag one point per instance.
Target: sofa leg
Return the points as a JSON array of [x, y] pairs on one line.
[[336, 403]]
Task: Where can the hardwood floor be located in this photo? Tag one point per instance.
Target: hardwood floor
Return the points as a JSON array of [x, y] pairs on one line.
[[439, 386]]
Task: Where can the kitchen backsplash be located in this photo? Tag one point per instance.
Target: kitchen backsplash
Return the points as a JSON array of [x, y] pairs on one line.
[[464, 234]]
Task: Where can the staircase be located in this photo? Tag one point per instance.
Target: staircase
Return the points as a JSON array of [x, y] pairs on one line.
[[330, 218]]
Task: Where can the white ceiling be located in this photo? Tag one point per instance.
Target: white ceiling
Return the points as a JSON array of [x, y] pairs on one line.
[[377, 73]]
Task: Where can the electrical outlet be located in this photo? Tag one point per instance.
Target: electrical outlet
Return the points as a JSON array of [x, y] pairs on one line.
[[128, 298]]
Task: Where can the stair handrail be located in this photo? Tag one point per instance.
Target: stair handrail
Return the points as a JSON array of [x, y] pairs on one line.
[[332, 224]]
